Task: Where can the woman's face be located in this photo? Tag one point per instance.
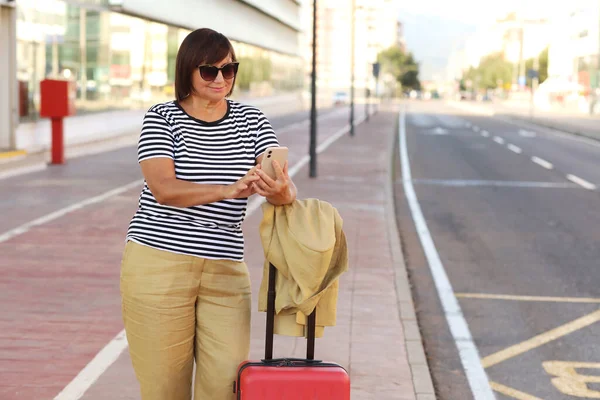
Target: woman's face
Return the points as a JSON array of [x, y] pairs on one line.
[[213, 91]]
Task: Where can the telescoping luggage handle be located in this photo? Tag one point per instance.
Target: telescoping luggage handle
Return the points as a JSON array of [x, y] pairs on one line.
[[310, 342]]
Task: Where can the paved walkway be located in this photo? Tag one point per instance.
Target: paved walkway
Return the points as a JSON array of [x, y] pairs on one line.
[[60, 282]]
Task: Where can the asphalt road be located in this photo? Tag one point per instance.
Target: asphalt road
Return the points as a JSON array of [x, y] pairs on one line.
[[514, 215]]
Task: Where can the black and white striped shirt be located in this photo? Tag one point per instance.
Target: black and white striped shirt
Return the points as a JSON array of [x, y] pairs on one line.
[[217, 153]]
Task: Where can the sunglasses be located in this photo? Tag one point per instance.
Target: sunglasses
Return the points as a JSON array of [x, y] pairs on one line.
[[210, 72]]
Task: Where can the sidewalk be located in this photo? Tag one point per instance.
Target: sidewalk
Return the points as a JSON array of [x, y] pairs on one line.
[[376, 337]]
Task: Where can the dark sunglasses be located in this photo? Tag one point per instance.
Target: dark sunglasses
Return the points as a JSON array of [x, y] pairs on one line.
[[210, 72]]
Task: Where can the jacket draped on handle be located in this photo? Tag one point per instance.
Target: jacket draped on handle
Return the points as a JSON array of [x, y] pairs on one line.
[[304, 240]]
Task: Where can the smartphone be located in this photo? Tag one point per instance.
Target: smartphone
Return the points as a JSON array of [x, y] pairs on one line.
[[273, 153]]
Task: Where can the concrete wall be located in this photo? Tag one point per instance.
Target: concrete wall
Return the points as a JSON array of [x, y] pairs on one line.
[[8, 80]]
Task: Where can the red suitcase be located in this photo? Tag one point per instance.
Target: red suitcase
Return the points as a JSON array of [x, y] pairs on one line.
[[290, 378]]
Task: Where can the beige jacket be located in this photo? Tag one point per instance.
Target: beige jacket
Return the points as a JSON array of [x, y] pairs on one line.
[[306, 243]]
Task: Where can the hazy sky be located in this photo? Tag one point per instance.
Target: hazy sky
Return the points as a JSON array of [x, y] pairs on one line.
[[433, 28]]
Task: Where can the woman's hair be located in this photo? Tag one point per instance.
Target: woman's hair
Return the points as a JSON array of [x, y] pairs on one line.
[[202, 46]]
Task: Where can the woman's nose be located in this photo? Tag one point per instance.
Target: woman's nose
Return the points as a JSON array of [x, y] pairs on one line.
[[219, 77]]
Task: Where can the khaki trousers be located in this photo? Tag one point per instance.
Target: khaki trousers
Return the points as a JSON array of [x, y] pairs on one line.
[[178, 309]]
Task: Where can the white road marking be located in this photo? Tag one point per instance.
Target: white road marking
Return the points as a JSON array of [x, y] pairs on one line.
[[482, 183], [468, 124], [542, 162], [86, 378], [23, 170], [581, 182], [514, 148], [498, 140], [111, 352], [485, 133], [526, 133], [73, 207], [552, 131], [476, 128], [469, 355]]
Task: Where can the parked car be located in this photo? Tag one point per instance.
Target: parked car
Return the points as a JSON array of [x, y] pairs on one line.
[[340, 98]]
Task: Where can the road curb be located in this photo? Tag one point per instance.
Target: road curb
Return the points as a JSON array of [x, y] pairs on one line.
[[421, 376]]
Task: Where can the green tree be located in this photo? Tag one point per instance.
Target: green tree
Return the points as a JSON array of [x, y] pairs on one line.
[[400, 65], [493, 72], [543, 64]]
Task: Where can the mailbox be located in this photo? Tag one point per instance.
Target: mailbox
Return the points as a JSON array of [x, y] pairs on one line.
[[57, 98], [57, 102]]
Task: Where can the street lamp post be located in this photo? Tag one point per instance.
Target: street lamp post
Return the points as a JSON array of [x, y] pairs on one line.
[[313, 100], [352, 24]]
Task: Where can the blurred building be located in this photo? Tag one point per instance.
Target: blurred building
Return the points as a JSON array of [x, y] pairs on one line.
[[575, 48], [400, 36], [376, 28], [121, 53]]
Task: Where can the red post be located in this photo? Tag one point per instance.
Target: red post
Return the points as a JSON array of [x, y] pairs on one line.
[[57, 101], [58, 156]]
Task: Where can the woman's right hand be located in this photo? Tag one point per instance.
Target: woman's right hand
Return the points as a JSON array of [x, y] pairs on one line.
[[244, 187]]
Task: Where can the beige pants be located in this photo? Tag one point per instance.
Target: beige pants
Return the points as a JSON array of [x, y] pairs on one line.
[[178, 308]]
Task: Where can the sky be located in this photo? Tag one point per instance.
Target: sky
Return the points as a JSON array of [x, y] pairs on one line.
[[433, 28]]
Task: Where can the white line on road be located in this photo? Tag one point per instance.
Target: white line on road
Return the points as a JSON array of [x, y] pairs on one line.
[[73, 207], [498, 140], [469, 355], [476, 128], [514, 148], [485, 133], [482, 183], [111, 352], [581, 182], [23, 170], [542, 162], [86, 378]]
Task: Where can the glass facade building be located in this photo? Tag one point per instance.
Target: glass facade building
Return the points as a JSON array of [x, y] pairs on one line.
[[122, 62]]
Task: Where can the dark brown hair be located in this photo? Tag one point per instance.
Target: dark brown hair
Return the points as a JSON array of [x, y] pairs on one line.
[[202, 46]]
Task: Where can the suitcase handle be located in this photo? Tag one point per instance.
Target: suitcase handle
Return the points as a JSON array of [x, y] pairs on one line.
[[291, 361], [312, 319]]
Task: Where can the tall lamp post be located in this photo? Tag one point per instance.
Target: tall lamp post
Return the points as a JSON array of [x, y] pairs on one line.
[[313, 100], [352, 24]]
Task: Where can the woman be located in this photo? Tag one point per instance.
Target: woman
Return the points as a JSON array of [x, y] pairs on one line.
[[184, 284]]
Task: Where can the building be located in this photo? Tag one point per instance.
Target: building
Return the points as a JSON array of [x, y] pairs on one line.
[[376, 28], [575, 49], [121, 54], [401, 39]]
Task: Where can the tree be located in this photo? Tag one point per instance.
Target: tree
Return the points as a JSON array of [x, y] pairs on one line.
[[543, 66], [402, 66], [493, 71]]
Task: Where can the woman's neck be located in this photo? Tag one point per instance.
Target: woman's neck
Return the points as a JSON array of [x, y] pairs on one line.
[[203, 109]]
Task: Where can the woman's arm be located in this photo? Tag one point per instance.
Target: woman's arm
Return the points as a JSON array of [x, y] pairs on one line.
[[160, 176]]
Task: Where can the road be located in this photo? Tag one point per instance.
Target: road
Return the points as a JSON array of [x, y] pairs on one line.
[[513, 214]]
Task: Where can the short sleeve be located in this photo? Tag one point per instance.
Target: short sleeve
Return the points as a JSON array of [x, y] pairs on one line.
[[265, 136], [156, 139]]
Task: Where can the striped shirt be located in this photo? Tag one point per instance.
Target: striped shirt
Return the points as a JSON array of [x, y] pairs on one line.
[[216, 153]]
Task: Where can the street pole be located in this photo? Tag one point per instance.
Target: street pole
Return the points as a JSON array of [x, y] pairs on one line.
[[313, 100], [534, 84], [352, 24]]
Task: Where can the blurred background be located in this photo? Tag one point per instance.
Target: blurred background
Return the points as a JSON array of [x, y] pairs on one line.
[[121, 53]]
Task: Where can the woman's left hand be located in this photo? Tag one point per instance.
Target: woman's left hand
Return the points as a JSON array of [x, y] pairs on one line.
[[277, 189]]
